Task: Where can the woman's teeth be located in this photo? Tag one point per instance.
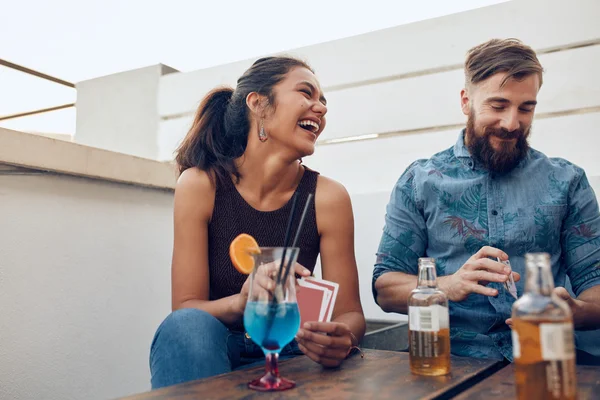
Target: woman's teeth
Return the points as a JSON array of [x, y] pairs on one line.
[[309, 125]]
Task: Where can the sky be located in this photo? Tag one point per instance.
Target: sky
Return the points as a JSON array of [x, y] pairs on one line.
[[76, 40]]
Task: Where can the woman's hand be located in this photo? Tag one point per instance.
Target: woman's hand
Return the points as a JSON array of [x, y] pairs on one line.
[[327, 343], [264, 283]]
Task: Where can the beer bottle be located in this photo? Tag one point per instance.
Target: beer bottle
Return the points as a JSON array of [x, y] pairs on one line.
[[428, 324], [542, 336]]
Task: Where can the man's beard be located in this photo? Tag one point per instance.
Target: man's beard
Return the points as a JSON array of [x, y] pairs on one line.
[[499, 161]]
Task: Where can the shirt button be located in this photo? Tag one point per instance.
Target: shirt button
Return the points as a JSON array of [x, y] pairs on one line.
[[494, 212], [470, 163]]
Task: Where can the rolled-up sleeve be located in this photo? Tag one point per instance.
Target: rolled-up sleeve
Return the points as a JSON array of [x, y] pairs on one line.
[[404, 237], [580, 236]]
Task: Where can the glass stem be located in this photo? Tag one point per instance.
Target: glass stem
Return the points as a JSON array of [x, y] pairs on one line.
[[271, 364]]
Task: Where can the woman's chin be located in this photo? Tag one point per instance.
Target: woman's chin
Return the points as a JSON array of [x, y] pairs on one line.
[[307, 150]]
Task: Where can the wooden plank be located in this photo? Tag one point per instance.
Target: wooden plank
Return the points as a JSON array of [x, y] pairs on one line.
[[501, 385], [381, 375]]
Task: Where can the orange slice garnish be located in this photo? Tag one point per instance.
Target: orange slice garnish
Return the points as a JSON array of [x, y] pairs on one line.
[[240, 252]]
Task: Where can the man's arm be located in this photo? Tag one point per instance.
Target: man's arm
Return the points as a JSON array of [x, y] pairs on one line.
[[393, 289], [580, 239], [470, 278], [585, 308], [403, 241]]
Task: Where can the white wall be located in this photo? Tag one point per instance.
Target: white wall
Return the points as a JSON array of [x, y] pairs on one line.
[[84, 283], [119, 112]]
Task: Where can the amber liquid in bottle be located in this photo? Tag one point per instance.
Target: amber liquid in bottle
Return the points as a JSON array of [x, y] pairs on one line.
[[543, 343], [428, 324]]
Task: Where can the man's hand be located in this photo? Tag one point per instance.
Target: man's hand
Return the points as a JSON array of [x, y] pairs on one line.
[[576, 306], [476, 273]]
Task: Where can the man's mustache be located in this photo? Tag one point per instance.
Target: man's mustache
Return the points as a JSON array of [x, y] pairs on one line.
[[504, 134]]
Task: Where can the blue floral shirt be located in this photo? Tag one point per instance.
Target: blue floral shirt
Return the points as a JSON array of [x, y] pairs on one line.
[[448, 207]]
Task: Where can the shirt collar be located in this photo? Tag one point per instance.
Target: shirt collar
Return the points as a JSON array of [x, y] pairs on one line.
[[460, 150]]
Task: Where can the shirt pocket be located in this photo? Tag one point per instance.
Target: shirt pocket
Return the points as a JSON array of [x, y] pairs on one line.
[[539, 227]]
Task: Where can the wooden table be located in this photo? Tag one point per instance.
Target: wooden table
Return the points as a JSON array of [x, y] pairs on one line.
[[501, 385], [380, 375]]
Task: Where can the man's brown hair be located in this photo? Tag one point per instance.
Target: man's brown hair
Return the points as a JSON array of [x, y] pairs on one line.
[[501, 55]]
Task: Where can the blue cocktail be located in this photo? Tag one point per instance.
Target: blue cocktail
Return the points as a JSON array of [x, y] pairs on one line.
[[284, 325], [271, 317]]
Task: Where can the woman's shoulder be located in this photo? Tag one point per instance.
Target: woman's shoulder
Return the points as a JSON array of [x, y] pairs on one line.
[[195, 192], [194, 179], [333, 207], [329, 185], [331, 193], [324, 184]]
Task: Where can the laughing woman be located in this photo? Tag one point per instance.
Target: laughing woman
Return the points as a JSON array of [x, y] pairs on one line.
[[240, 166]]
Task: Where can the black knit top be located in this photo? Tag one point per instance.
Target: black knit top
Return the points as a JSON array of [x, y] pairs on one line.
[[232, 215]]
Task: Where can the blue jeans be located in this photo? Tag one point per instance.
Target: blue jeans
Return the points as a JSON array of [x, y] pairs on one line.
[[192, 344]]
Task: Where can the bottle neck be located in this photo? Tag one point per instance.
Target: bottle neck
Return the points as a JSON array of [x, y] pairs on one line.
[[427, 276], [539, 274]]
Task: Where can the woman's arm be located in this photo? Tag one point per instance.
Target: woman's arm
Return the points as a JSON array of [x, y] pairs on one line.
[[193, 207], [335, 222]]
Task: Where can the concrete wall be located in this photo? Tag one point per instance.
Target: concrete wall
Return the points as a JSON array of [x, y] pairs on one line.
[[119, 112], [84, 283]]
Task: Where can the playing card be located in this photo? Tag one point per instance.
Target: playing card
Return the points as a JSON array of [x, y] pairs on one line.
[[316, 299], [310, 300], [332, 287], [510, 283]]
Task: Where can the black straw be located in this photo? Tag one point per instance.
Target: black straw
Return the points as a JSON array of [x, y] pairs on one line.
[[297, 236], [288, 231], [270, 316]]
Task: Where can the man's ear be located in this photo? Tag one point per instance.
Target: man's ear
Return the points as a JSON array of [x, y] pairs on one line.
[[465, 102]]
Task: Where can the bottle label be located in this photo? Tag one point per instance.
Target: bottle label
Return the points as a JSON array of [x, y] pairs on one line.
[[427, 319], [516, 344], [557, 341]]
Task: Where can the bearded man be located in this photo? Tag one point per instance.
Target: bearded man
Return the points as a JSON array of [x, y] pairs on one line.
[[487, 199]]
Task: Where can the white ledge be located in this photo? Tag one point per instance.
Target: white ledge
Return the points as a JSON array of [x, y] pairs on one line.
[[47, 154]]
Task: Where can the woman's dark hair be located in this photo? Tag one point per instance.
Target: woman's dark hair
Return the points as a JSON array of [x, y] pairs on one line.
[[219, 133]]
